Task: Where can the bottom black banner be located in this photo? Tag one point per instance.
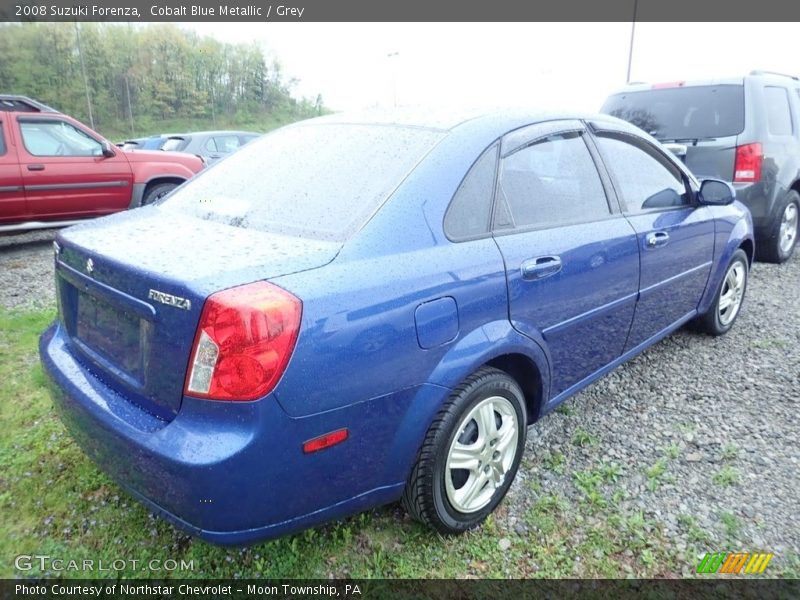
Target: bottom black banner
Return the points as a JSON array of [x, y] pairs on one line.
[[434, 589]]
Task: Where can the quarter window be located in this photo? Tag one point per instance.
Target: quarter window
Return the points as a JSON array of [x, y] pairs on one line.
[[470, 211], [2, 140], [779, 117], [550, 182], [57, 138], [644, 178]]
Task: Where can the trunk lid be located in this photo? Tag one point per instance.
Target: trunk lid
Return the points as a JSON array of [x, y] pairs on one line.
[[131, 289]]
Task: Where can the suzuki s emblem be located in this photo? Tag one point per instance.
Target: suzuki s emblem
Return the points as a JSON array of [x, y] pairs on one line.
[[89, 265]]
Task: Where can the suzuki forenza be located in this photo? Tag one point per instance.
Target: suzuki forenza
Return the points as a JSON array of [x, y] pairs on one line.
[[352, 311]]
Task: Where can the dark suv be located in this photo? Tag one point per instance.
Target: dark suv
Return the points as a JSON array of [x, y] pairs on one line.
[[743, 129]]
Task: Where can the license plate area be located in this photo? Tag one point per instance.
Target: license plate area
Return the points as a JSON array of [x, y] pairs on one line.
[[113, 333]]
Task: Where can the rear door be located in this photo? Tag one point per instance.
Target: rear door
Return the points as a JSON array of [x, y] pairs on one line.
[[675, 235], [12, 196], [65, 172], [571, 258]]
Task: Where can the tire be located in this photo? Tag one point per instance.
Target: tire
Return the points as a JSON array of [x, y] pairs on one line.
[[783, 241], [453, 500], [728, 299], [156, 192]]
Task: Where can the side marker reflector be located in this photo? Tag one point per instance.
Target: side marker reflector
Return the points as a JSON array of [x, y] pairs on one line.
[[325, 441]]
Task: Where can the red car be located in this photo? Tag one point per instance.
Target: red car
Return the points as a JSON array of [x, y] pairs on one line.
[[55, 171]]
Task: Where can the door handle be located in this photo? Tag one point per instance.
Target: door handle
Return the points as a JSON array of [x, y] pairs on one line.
[[541, 267], [656, 239], [35, 167]]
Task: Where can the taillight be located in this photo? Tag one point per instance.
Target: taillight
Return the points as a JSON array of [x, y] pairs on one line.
[[243, 342], [747, 167], [668, 84]]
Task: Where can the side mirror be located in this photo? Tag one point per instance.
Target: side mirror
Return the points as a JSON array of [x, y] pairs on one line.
[[716, 193], [108, 151]]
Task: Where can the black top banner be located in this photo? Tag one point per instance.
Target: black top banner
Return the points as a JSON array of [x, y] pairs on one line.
[[405, 10]]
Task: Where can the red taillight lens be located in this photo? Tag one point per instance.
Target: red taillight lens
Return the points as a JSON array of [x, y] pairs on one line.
[[243, 343], [747, 167]]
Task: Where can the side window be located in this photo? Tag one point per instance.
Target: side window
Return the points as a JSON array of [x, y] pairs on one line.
[[551, 182], [211, 145], [228, 143], [2, 140], [779, 117], [644, 178], [57, 138], [470, 210]]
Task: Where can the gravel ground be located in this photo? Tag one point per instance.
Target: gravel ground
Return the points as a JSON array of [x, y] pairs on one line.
[[719, 415], [26, 270], [703, 431]]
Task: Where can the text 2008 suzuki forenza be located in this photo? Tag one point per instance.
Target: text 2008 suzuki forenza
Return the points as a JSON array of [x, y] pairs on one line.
[[351, 311]]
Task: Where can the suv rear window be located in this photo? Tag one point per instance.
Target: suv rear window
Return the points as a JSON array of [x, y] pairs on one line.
[[694, 112], [321, 181]]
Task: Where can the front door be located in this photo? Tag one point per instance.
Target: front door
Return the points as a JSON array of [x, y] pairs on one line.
[[675, 235], [12, 195], [65, 173], [571, 258]]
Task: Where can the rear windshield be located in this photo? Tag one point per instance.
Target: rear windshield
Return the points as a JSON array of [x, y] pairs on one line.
[[320, 181], [694, 112]]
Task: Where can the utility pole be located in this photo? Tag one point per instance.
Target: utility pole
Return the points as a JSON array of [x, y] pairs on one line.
[[633, 34], [83, 71], [130, 110]]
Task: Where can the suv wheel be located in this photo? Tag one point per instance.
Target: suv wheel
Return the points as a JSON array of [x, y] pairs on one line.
[[470, 455], [784, 237], [156, 192]]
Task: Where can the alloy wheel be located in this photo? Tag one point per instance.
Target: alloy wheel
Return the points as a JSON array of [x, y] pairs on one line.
[[730, 299], [481, 454], [788, 229]]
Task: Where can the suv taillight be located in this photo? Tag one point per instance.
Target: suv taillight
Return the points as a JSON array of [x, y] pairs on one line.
[[243, 342], [747, 167]]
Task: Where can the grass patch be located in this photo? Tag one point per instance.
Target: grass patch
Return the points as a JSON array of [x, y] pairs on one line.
[[582, 437], [726, 476], [655, 474], [729, 452]]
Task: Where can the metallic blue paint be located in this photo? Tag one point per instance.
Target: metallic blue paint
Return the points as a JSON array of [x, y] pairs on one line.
[[393, 319]]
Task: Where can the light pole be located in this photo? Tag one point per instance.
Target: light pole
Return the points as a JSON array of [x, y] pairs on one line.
[[633, 33], [83, 71]]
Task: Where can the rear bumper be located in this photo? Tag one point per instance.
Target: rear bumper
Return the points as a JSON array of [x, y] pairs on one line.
[[761, 205], [234, 473]]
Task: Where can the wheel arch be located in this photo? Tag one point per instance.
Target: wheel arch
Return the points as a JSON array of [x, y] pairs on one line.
[[140, 189]]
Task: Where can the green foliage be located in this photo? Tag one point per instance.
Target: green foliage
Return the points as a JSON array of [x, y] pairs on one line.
[[138, 77]]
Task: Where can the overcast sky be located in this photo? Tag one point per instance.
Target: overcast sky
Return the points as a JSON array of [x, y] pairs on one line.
[[549, 65]]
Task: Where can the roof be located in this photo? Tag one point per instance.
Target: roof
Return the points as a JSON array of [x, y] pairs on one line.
[[443, 119], [13, 103]]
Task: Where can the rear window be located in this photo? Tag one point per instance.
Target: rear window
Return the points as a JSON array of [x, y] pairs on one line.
[[317, 181], [174, 144], [694, 112]]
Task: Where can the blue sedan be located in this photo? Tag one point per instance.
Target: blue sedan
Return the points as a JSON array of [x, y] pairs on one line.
[[357, 310]]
